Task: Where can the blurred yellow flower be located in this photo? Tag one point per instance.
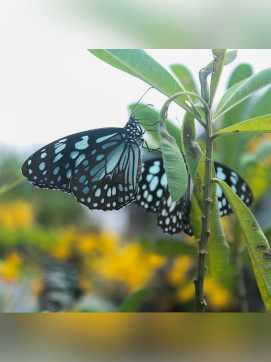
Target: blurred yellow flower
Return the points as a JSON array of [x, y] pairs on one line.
[[130, 264], [9, 267], [178, 273], [18, 214], [218, 297], [62, 247], [185, 293]]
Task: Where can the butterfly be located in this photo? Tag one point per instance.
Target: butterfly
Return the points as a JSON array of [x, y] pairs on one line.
[[173, 217], [100, 167]]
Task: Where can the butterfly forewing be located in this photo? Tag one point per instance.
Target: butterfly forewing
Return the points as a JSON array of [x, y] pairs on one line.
[[108, 180], [101, 168]]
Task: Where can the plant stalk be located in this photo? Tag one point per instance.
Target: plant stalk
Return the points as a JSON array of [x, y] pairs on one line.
[[205, 232]]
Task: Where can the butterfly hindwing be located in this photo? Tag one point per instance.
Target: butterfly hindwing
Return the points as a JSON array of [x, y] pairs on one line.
[[174, 217], [237, 184], [152, 185]]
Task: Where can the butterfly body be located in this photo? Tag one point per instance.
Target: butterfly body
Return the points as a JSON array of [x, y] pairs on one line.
[[101, 167]]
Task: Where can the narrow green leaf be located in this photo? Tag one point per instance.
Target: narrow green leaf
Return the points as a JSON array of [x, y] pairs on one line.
[[245, 90], [168, 246], [196, 215], [218, 64], [256, 125], [191, 148], [231, 148], [230, 57], [258, 246], [218, 249], [262, 105], [138, 63], [226, 97], [14, 182], [149, 116], [173, 160], [134, 300]]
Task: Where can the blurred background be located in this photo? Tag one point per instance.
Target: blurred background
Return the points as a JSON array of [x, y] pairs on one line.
[[56, 255]]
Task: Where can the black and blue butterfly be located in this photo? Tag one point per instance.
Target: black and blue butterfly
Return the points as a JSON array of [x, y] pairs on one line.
[[101, 167], [173, 217]]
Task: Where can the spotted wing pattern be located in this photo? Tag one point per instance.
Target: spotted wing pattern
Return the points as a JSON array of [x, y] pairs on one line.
[[174, 217], [101, 167]]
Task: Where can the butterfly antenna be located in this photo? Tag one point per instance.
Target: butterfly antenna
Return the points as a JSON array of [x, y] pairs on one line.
[[145, 105], [152, 123], [140, 100]]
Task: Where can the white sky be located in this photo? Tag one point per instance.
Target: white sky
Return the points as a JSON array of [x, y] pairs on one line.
[[49, 93]]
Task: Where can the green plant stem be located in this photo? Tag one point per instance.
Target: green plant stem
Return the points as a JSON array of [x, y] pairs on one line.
[[179, 94], [205, 232]]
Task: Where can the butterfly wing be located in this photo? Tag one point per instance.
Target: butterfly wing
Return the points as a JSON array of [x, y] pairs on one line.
[[152, 186], [108, 180], [174, 217], [95, 155], [236, 183]]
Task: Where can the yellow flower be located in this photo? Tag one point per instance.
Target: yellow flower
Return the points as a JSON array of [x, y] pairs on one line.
[[9, 268], [62, 247], [217, 296], [131, 265], [185, 293], [17, 215], [178, 273]]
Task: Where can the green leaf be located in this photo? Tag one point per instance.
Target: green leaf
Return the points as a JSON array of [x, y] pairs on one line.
[[221, 58], [173, 160], [218, 249], [196, 214], [168, 246], [262, 106], [185, 77], [256, 125], [14, 182], [231, 148], [230, 57], [243, 91], [218, 64], [138, 63], [134, 300], [149, 115], [258, 246], [226, 97], [191, 148]]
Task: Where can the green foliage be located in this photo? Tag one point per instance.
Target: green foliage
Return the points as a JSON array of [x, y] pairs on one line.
[[134, 300], [218, 249], [149, 117], [241, 91], [256, 125], [168, 246], [258, 246], [138, 63], [191, 148], [172, 158]]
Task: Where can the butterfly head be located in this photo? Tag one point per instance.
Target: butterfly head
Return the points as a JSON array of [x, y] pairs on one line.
[[133, 131]]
